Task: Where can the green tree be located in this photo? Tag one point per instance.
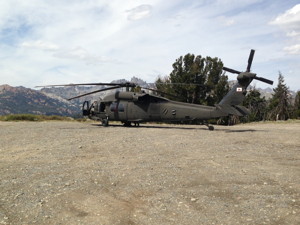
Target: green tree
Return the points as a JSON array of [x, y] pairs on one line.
[[187, 77], [218, 90], [296, 108], [196, 79], [256, 104], [279, 106], [163, 85]]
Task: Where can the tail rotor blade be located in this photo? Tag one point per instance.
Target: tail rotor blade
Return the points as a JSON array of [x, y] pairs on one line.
[[231, 70], [264, 80], [250, 59]]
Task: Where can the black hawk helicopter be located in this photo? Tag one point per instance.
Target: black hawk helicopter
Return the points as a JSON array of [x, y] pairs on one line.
[[132, 107]]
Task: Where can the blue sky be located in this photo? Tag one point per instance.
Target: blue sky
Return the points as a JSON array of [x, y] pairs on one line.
[[58, 41]]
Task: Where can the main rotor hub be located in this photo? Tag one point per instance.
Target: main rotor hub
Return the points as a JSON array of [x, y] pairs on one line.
[[244, 78], [128, 84], [245, 75]]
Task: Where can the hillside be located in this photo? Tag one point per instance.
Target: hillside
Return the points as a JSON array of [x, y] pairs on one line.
[[20, 100]]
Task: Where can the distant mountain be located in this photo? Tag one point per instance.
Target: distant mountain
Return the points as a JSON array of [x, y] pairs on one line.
[[266, 92], [21, 100], [63, 93], [72, 91]]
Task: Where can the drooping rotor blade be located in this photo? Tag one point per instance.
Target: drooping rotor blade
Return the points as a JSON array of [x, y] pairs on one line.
[[174, 96], [264, 80], [93, 92], [231, 70], [250, 59]]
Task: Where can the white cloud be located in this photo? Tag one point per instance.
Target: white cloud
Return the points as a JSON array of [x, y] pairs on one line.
[[139, 12], [293, 50], [39, 44], [81, 54], [226, 21], [293, 34], [290, 19]]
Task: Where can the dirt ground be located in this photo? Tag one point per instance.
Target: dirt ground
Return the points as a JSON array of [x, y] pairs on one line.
[[82, 173]]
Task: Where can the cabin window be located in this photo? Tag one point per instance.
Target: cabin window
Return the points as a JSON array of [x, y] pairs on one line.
[[121, 107], [115, 106]]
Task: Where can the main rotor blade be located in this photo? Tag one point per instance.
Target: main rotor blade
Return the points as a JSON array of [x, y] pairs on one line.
[[264, 80], [250, 59], [93, 92], [231, 70], [104, 84], [183, 84]]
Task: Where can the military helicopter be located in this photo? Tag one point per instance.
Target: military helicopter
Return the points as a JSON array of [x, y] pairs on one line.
[[133, 108]]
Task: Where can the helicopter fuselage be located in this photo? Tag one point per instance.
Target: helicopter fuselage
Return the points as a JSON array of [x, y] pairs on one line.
[[134, 107]]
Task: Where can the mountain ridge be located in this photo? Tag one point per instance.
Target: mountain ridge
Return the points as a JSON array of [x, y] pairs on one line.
[[21, 100]]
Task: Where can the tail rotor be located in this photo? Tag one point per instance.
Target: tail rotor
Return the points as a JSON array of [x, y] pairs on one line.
[[247, 74]]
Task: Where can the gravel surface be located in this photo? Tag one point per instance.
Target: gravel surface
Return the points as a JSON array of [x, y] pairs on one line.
[[82, 173]]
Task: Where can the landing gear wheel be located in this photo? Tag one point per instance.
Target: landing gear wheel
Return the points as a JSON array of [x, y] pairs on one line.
[[105, 122], [127, 124], [208, 126], [211, 128]]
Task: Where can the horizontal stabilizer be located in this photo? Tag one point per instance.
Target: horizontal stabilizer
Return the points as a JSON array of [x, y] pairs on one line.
[[242, 110], [233, 110]]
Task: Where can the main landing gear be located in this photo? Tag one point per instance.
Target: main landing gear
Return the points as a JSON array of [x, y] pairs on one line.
[[105, 122], [210, 127], [128, 124]]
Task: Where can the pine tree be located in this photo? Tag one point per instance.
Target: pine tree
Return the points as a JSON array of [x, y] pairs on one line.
[[296, 108], [256, 104], [187, 77], [280, 107], [196, 79]]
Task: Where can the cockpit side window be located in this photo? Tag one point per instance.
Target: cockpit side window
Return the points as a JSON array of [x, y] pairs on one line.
[[102, 107], [94, 106]]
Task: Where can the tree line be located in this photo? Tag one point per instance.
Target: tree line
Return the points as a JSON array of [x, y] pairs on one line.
[[201, 80]]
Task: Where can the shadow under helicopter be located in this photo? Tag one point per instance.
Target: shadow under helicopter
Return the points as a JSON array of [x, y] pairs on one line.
[[170, 127]]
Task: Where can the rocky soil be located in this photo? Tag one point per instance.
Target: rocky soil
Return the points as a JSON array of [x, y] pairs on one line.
[[82, 173]]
